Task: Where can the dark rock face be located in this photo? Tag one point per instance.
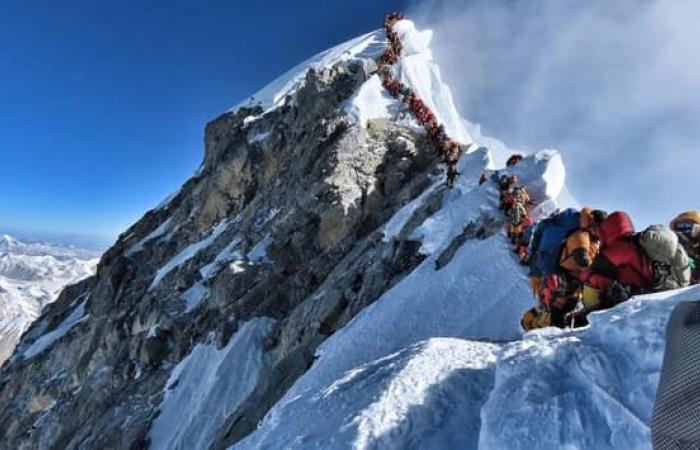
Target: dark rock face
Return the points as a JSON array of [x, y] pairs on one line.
[[281, 222]]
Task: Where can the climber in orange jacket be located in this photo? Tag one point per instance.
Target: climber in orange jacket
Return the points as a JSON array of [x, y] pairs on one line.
[[581, 248]]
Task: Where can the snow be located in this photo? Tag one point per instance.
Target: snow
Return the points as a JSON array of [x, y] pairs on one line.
[[32, 274], [258, 138], [394, 226], [208, 386], [417, 70], [430, 388], [274, 94], [228, 254], [479, 295], [48, 339], [588, 388], [195, 295], [258, 253], [371, 101], [155, 234], [439, 361], [188, 253]]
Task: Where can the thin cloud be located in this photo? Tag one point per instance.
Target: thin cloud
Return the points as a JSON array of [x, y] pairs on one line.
[[614, 85]]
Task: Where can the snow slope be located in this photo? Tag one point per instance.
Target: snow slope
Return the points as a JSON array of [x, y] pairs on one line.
[[479, 295], [591, 388], [191, 412], [31, 276]]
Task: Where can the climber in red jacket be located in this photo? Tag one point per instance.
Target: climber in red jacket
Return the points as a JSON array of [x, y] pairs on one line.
[[621, 269]]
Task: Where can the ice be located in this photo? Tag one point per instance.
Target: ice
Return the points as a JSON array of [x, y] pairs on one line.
[[207, 386], [188, 253], [48, 339]]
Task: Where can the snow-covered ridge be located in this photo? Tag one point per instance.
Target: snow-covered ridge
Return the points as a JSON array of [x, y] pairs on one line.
[[417, 70], [275, 93]]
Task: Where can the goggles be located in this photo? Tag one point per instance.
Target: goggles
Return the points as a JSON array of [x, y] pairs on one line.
[[684, 227]]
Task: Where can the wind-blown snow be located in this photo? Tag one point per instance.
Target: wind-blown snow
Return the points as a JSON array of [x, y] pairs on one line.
[[47, 340], [207, 386], [188, 253]]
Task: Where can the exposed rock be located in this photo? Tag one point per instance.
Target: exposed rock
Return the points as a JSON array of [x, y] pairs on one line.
[[284, 227]]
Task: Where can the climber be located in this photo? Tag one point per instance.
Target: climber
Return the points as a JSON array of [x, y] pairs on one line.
[[518, 212], [513, 160], [561, 295], [535, 318], [506, 199], [669, 260], [581, 247], [687, 227], [545, 250], [523, 245], [558, 296], [620, 270], [483, 179]]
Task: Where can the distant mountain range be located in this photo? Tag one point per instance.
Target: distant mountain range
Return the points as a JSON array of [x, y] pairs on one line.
[[32, 274]]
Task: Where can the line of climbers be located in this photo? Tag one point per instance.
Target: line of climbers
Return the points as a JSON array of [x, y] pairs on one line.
[[587, 260], [446, 148]]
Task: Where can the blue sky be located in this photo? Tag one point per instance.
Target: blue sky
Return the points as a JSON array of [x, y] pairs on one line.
[[103, 104]]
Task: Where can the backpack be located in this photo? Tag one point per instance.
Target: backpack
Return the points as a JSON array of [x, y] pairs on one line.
[[668, 257], [549, 237]]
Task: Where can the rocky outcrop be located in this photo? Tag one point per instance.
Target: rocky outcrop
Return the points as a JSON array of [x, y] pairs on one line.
[[280, 222]]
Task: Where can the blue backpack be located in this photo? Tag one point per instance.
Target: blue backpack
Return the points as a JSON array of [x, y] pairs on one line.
[[549, 237]]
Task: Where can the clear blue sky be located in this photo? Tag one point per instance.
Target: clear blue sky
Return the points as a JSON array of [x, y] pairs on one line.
[[103, 103]]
